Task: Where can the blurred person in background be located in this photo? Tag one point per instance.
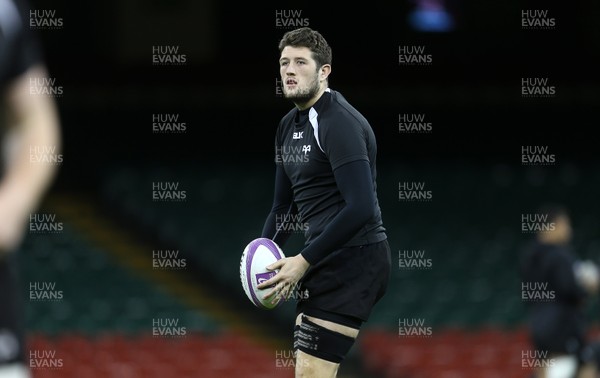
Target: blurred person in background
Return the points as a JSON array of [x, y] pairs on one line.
[[557, 324], [28, 120]]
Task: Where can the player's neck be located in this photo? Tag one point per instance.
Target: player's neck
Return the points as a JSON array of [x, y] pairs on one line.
[[312, 101]]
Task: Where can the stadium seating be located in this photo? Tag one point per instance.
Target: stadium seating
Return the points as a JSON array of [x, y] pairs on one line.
[[144, 356], [490, 352], [102, 325], [469, 297], [97, 293]]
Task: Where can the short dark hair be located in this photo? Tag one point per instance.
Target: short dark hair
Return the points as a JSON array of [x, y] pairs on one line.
[[312, 39]]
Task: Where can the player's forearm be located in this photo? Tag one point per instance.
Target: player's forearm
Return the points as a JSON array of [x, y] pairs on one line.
[[32, 148], [341, 229], [355, 182], [566, 283], [24, 179]]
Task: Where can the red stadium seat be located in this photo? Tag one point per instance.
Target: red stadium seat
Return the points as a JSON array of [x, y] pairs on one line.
[[489, 352]]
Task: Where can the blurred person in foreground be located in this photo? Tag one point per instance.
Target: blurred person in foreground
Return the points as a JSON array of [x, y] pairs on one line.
[[27, 121], [557, 326]]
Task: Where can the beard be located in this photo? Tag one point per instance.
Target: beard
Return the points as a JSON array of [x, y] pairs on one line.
[[303, 95]]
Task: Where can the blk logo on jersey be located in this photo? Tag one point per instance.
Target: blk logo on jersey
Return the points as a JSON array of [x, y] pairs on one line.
[[298, 135]]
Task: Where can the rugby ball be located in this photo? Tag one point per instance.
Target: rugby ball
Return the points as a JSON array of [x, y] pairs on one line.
[[257, 255]]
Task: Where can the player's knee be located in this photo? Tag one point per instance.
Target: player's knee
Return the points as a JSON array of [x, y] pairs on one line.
[[317, 341]]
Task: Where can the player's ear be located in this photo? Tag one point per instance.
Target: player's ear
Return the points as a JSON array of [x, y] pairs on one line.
[[324, 71]]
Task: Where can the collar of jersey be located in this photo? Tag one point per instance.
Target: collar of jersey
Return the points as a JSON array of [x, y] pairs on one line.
[[302, 115]]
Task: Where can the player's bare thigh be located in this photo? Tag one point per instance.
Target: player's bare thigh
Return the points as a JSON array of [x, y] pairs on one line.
[[308, 366], [344, 330]]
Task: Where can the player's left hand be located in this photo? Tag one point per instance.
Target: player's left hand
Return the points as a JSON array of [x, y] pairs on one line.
[[291, 270]]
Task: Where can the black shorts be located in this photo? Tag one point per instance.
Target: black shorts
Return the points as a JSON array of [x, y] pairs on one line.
[[344, 286], [557, 328], [12, 335]]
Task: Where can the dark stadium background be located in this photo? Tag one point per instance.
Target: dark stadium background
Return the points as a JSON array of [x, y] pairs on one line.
[[226, 94]]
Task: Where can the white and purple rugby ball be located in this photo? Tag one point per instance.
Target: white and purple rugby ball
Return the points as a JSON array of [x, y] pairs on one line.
[[258, 254]]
